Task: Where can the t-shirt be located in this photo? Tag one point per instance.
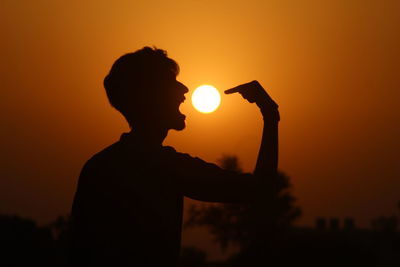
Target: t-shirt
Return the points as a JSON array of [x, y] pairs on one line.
[[127, 209]]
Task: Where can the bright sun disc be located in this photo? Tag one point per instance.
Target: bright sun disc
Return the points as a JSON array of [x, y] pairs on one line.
[[206, 98]]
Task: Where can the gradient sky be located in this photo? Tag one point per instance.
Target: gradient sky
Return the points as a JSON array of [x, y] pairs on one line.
[[332, 66]]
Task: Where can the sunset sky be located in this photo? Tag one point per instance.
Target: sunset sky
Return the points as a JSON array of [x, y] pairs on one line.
[[332, 66]]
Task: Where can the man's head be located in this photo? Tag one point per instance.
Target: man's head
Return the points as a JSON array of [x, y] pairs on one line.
[[143, 87]]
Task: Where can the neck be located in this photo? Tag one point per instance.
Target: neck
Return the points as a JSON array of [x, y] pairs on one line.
[[150, 136]]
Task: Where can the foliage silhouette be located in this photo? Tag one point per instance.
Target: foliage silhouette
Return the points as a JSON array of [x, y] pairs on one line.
[[192, 257], [23, 243], [247, 224]]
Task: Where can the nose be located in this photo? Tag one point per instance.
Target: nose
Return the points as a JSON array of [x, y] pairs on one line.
[[183, 88]]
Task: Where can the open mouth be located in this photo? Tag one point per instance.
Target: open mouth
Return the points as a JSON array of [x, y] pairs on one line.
[[178, 110]]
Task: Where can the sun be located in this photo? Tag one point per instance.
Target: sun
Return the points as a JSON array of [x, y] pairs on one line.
[[206, 98]]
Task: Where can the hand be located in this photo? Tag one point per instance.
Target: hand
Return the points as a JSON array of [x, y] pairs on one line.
[[255, 93]]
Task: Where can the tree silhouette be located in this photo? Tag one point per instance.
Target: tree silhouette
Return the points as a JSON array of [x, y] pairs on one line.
[[192, 257], [23, 243], [258, 224]]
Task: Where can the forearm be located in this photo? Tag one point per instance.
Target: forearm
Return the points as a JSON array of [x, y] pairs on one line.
[[267, 162]]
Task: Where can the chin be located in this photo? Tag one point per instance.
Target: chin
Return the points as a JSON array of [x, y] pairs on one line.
[[178, 124]]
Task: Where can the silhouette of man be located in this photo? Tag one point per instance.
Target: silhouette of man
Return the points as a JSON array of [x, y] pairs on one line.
[[127, 209]]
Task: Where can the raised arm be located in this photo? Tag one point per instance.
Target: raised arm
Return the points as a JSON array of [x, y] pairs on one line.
[[208, 182], [267, 161]]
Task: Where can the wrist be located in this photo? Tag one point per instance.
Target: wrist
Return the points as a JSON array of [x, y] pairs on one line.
[[270, 115]]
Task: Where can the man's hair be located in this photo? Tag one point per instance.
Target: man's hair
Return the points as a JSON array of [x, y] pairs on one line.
[[135, 77]]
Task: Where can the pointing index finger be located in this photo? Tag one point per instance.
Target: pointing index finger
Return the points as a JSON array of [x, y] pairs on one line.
[[232, 90]]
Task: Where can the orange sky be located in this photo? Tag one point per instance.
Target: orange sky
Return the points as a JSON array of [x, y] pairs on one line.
[[333, 67]]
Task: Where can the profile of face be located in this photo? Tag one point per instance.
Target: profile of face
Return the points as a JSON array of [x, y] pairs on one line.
[[158, 107], [168, 114]]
